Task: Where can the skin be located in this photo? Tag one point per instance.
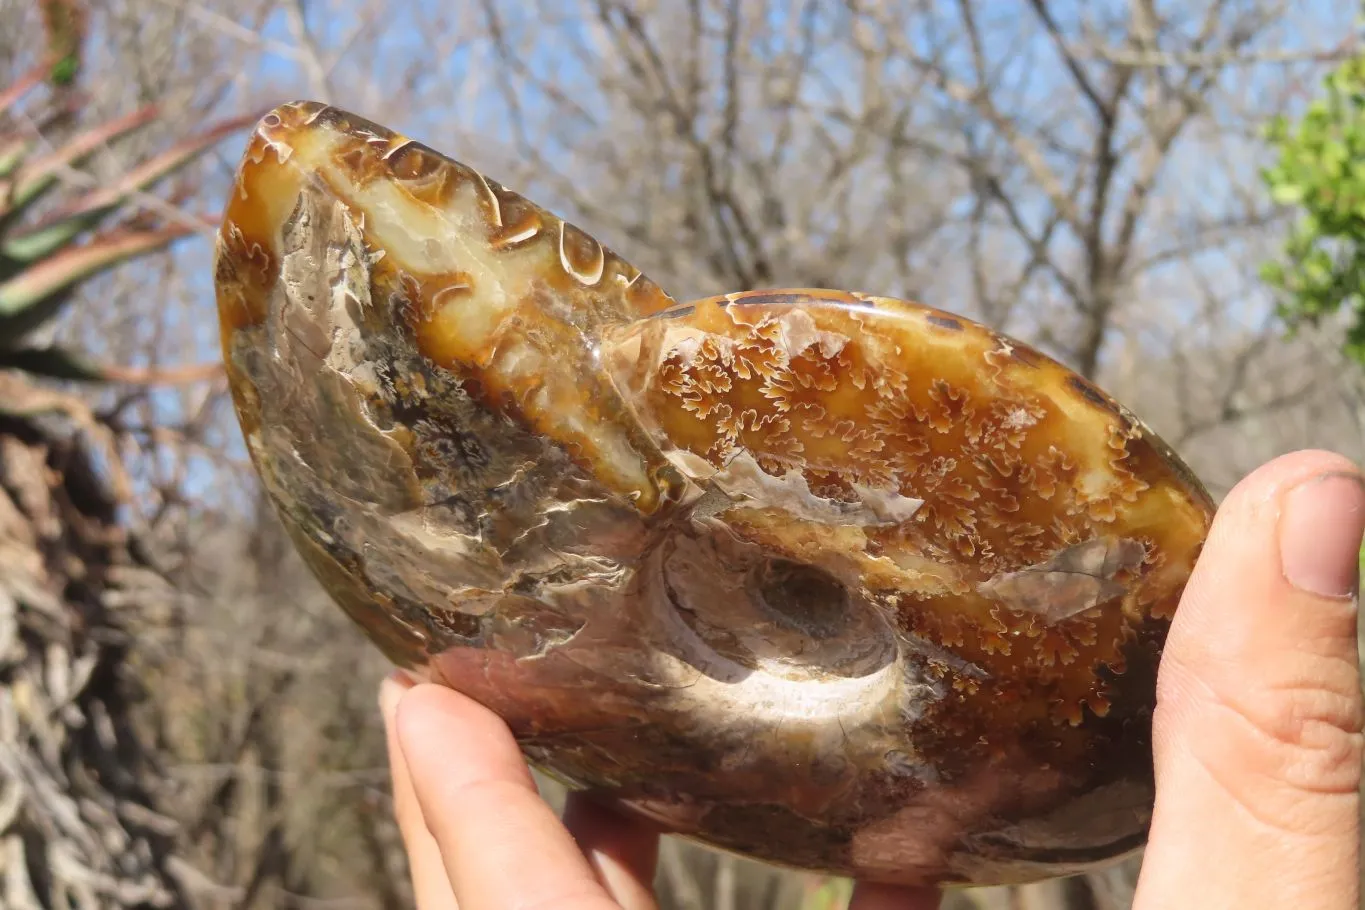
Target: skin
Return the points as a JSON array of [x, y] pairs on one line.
[[1258, 742]]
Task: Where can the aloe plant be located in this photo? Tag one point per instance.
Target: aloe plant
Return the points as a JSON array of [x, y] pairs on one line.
[[79, 826], [58, 229]]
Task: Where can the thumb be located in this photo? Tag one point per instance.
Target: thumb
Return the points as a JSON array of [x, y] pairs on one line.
[[1257, 732]]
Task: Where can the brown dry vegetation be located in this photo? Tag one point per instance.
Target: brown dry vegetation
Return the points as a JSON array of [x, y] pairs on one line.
[[1083, 176]]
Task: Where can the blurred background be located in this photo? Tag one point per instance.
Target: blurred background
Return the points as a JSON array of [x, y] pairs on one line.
[[1167, 196]]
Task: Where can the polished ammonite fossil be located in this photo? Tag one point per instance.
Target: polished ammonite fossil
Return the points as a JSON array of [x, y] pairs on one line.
[[832, 580]]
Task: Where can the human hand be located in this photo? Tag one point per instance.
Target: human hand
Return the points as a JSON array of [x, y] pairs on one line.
[[1257, 742]]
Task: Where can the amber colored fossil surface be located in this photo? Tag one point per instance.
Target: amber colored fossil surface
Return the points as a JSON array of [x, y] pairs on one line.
[[835, 581]]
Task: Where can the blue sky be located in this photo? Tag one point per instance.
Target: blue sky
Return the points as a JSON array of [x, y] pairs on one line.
[[369, 80]]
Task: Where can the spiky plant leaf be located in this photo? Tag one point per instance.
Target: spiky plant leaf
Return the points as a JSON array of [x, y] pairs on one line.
[[36, 295], [12, 154], [52, 363], [69, 221], [38, 177]]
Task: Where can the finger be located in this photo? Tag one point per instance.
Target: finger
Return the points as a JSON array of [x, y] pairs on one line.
[[622, 851], [501, 844], [1257, 730], [888, 897], [430, 887]]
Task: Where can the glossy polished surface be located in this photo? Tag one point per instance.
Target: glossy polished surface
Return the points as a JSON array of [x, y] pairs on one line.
[[835, 581]]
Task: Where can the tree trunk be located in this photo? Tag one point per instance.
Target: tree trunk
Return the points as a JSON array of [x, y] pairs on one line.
[[78, 827]]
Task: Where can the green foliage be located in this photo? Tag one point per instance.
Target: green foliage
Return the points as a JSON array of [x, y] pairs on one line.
[[1321, 172]]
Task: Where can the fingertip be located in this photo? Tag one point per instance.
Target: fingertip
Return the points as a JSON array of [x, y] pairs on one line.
[[1278, 474], [1257, 729], [481, 805], [1240, 604], [421, 710], [434, 723]]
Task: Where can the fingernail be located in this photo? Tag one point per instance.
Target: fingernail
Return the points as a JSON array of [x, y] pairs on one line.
[[1320, 532]]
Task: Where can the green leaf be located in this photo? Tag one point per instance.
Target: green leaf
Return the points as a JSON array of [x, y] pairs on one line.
[[1287, 194], [64, 70]]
